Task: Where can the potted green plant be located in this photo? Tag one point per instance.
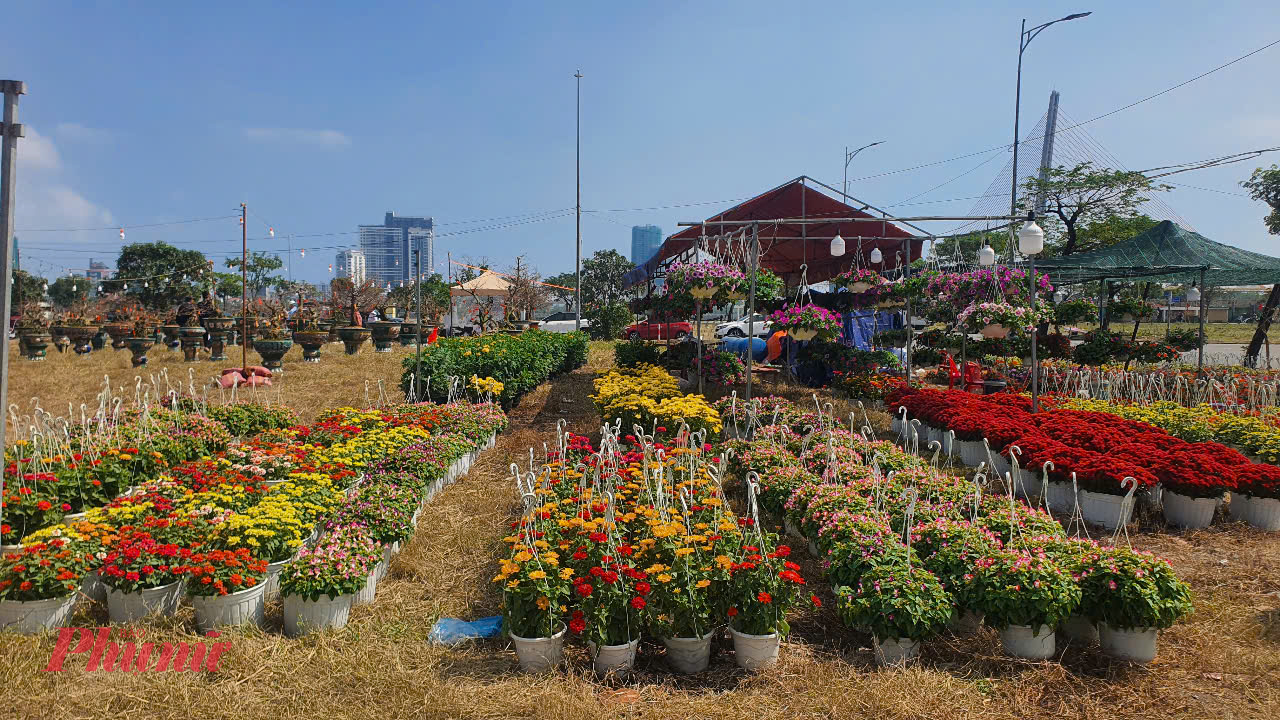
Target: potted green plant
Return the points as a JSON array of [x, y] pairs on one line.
[[900, 605], [310, 335], [273, 342], [33, 331], [142, 337], [1132, 596], [1024, 597], [319, 585], [998, 319], [807, 322]]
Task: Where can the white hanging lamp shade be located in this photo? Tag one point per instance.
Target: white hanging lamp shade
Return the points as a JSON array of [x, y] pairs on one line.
[[1193, 295], [986, 255], [876, 255], [1031, 239], [1058, 297], [837, 246]]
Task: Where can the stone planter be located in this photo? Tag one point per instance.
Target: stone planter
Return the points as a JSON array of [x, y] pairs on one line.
[[171, 335], [138, 347], [81, 336], [353, 337], [273, 352], [192, 339], [99, 339], [35, 343], [311, 341], [409, 332], [119, 333], [330, 327], [384, 334], [219, 331]]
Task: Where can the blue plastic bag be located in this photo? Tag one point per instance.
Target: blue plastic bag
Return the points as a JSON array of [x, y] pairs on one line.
[[452, 631]]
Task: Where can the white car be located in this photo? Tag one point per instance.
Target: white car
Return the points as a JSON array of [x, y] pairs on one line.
[[561, 322], [760, 327]]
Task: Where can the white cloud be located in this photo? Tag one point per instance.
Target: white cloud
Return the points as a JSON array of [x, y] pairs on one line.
[[37, 153], [45, 198], [82, 133], [299, 136]]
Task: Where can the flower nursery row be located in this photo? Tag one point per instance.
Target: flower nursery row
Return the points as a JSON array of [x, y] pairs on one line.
[[312, 513], [519, 362], [1096, 460], [650, 397], [633, 539], [913, 552]]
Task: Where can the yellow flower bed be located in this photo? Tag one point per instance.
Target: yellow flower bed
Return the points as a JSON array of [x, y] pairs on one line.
[[649, 396]]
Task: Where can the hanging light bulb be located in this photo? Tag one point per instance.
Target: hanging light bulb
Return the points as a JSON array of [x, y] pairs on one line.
[[303, 252], [99, 288], [1193, 295], [126, 286], [837, 246], [271, 231], [986, 256], [1058, 297], [1031, 239], [876, 255], [46, 287], [146, 284], [75, 287], [330, 268], [121, 233]]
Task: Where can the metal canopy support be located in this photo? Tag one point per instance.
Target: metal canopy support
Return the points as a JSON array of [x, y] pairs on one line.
[[10, 131], [751, 303], [1204, 299]]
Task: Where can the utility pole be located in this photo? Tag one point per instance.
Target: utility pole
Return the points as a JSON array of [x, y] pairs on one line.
[[417, 373], [577, 263], [244, 291], [10, 131], [448, 271]]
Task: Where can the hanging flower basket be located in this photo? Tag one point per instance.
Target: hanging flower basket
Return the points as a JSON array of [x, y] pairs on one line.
[[859, 280], [703, 292], [995, 330], [998, 319], [807, 322], [705, 280]]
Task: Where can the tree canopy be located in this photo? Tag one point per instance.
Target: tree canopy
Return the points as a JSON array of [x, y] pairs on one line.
[[564, 280], [1084, 196], [69, 290], [158, 274], [1264, 185], [602, 276], [27, 288], [261, 271]]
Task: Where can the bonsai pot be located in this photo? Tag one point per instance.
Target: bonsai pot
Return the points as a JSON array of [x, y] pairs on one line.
[[409, 332], [34, 341], [311, 342], [330, 327], [272, 352], [219, 328], [353, 337], [384, 333], [81, 335], [119, 333], [170, 335], [192, 338], [99, 339], [139, 346]]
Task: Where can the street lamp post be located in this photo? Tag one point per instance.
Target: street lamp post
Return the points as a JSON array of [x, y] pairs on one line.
[[577, 262], [848, 158], [1031, 244], [1024, 39]]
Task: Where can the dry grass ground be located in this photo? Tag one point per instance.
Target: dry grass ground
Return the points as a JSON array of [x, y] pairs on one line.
[[1223, 663]]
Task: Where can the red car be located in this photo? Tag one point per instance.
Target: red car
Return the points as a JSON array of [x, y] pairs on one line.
[[645, 330]]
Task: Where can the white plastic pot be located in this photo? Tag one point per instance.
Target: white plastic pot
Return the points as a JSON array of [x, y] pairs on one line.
[[538, 654], [1020, 641], [5, 549], [813, 550], [1262, 513], [32, 617], [966, 622], [1184, 511], [92, 587], [689, 655], [971, 452], [1000, 464], [1060, 496], [1103, 509], [995, 331], [370, 589], [271, 581], [244, 607], [1027, 484], [753, 652], [303, 616], [896, 651], [125, 607], [1137, 644], [614, 658], [1079, 628]]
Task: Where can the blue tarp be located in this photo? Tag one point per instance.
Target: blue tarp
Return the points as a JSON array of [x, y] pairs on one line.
[[859, 326]]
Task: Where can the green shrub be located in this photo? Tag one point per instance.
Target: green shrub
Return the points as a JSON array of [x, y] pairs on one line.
[[636, 352], [521, 362], [607, 320]]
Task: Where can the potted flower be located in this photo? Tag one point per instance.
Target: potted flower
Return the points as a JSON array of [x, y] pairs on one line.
[[998, 319], [859, 280], [762, 586], [88, 541], [1257, 492], [807, 322], [353, 537], [271, 530], [948, 549], [226, 588], [1025, 597], [612, 600], [535, 590], [1194, 481], [142, 337], [319, 585], [900, 605], [1132, 596], [704, 280], [38, 585], [143, 576]]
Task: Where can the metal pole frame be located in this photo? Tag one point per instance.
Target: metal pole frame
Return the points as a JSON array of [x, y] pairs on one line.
[[751, 301], [244, 291], [1204, 298], [10, 131], [1035, 329], [577, 263], [417, 373]]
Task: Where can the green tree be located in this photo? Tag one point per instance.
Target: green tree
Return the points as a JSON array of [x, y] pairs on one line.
[[261, 273], [969, 244], [435, 298], [564, 280], [67, 291], [1111, 230], [602, 276], [606, 320], [1264, 186], [27, 288], [1083, 196], [158, 274], [227, 285]]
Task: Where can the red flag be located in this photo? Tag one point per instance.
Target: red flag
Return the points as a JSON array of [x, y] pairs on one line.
[[953, 371], [435, 332]]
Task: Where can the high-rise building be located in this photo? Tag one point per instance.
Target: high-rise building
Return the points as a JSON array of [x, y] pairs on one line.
[[645, 241], [388, 248], [351, 264]]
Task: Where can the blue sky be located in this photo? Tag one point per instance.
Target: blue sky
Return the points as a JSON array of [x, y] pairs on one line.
[[322, 116]]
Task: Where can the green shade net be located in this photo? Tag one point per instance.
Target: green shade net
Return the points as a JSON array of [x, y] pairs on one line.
[[1165, 253]]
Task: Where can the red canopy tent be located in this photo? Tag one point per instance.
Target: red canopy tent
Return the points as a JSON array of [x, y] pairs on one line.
[[785, 246]]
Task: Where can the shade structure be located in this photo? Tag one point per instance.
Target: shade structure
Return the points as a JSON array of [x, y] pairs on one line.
[[488, 284], [786, 246], [1166, 252]]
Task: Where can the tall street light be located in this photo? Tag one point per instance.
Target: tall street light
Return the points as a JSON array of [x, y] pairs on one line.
[[577, 262], [1024, 39], [848, 158]]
